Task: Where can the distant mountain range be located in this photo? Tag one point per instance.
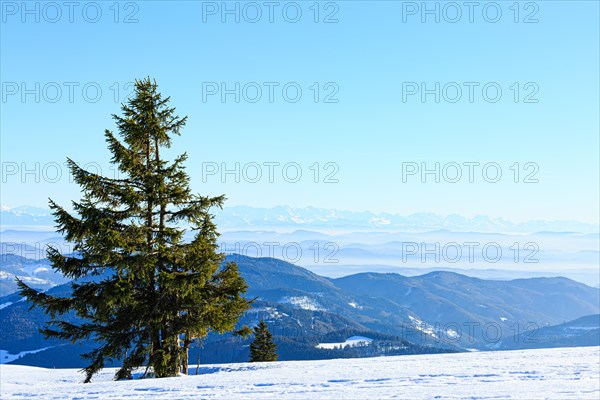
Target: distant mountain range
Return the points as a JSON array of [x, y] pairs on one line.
[[25, 216], [36, 273], [569, 254], [584, 331], [435, 312], [292, 218], [336, 243]]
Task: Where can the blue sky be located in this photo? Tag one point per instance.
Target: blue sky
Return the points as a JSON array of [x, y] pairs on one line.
[[365, 139]]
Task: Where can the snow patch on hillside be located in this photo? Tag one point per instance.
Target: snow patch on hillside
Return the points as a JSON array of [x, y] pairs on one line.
[[422, 326], [451, 333], [354, 341], [355, 305], [6, 357], [303, 302], [583, 328], [267, 312]]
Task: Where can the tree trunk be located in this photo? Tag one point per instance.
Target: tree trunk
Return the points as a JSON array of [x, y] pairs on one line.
[[186, 352], [175, 356], [185, 362]]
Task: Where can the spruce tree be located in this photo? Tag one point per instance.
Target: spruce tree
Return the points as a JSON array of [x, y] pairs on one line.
[[263, 348], [143, 294]]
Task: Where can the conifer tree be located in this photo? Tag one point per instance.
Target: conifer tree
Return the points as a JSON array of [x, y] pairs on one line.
[[263, 348], [143, 293]]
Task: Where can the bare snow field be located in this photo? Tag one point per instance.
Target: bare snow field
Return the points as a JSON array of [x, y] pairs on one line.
[[566, 373]]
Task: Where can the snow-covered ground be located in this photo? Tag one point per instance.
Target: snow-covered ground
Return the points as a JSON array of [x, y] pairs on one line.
[[572, 373]]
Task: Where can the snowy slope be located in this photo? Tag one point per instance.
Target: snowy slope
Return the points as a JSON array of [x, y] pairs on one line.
[[572, 373]]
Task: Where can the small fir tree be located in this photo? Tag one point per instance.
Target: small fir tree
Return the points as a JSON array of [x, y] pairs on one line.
[[263, 348]]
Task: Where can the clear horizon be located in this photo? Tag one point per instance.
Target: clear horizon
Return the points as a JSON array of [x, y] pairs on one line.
[[46, 210]]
